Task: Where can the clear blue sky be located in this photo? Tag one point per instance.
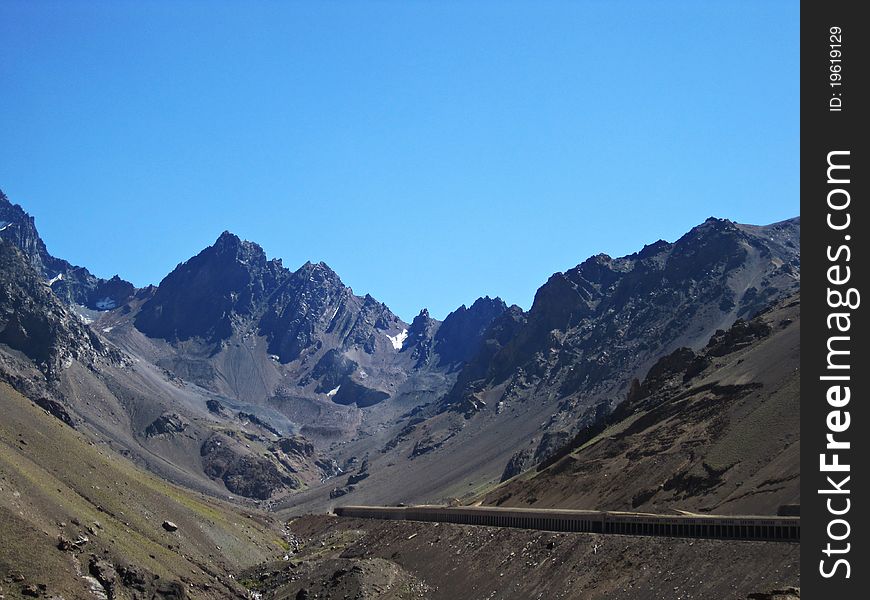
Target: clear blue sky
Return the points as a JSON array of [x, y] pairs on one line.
[[430, 152]]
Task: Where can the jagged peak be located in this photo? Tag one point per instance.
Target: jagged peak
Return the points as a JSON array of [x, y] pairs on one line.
[[421, 323], [482, 304], [319, 271], [653, 249], [515, 309], [714, 224], [14, 210], [486, 301], [243, 250], [228, 237], [229, 240]]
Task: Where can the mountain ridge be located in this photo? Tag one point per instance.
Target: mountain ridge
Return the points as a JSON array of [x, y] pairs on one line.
[[72, 283], [232, 353]]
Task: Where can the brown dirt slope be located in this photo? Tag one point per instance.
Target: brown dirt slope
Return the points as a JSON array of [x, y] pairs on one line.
[[58, 489], [356, 558], [712, 431]]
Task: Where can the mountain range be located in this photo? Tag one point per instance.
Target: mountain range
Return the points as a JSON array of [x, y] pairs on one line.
[[206, 376], [632, 383]]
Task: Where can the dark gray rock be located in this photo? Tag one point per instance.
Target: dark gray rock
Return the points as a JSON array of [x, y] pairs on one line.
[[74, 285]]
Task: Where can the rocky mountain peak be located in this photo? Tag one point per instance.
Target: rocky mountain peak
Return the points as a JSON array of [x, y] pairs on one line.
[[230, 245], [459, 336], [74, 285], [201, 297], [657, 247], [228, 238], [421, 337], [317, 276]]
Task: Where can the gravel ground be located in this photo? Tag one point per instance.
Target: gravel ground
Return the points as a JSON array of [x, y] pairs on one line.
[[360, 559]]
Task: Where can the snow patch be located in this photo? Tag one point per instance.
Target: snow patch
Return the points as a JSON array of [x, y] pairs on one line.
[[55, 279], [106, 304], [399, 339], [333, 392], [107, 329]]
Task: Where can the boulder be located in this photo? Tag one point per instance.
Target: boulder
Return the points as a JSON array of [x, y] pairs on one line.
[[170, 526]]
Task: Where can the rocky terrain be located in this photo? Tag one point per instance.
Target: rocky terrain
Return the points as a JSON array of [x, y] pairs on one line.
[[715, 430], [662, 380], [540, 377], [349, 558], [203, 377]]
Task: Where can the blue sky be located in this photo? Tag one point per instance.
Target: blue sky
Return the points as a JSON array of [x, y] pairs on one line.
[[430, 152]]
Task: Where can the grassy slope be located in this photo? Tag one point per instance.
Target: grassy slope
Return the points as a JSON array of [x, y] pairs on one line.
[[51, 475]]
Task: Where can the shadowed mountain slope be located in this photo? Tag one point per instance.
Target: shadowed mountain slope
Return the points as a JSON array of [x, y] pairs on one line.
[[715, 430]]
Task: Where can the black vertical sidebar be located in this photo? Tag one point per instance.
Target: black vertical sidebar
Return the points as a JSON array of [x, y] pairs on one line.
[[835, 421]]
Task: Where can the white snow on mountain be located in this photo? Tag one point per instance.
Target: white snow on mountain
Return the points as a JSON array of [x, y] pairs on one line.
[[399, 339]]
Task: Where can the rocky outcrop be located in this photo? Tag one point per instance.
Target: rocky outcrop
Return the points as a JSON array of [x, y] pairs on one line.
[[35, 322], [166, 424], [516, 465], [242, 471], [332, 370], [214, 407]]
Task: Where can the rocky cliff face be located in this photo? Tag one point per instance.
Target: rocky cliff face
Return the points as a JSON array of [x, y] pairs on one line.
[[459, 336], [75, 285], [207, 295], [421, 338], [34, 321]]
